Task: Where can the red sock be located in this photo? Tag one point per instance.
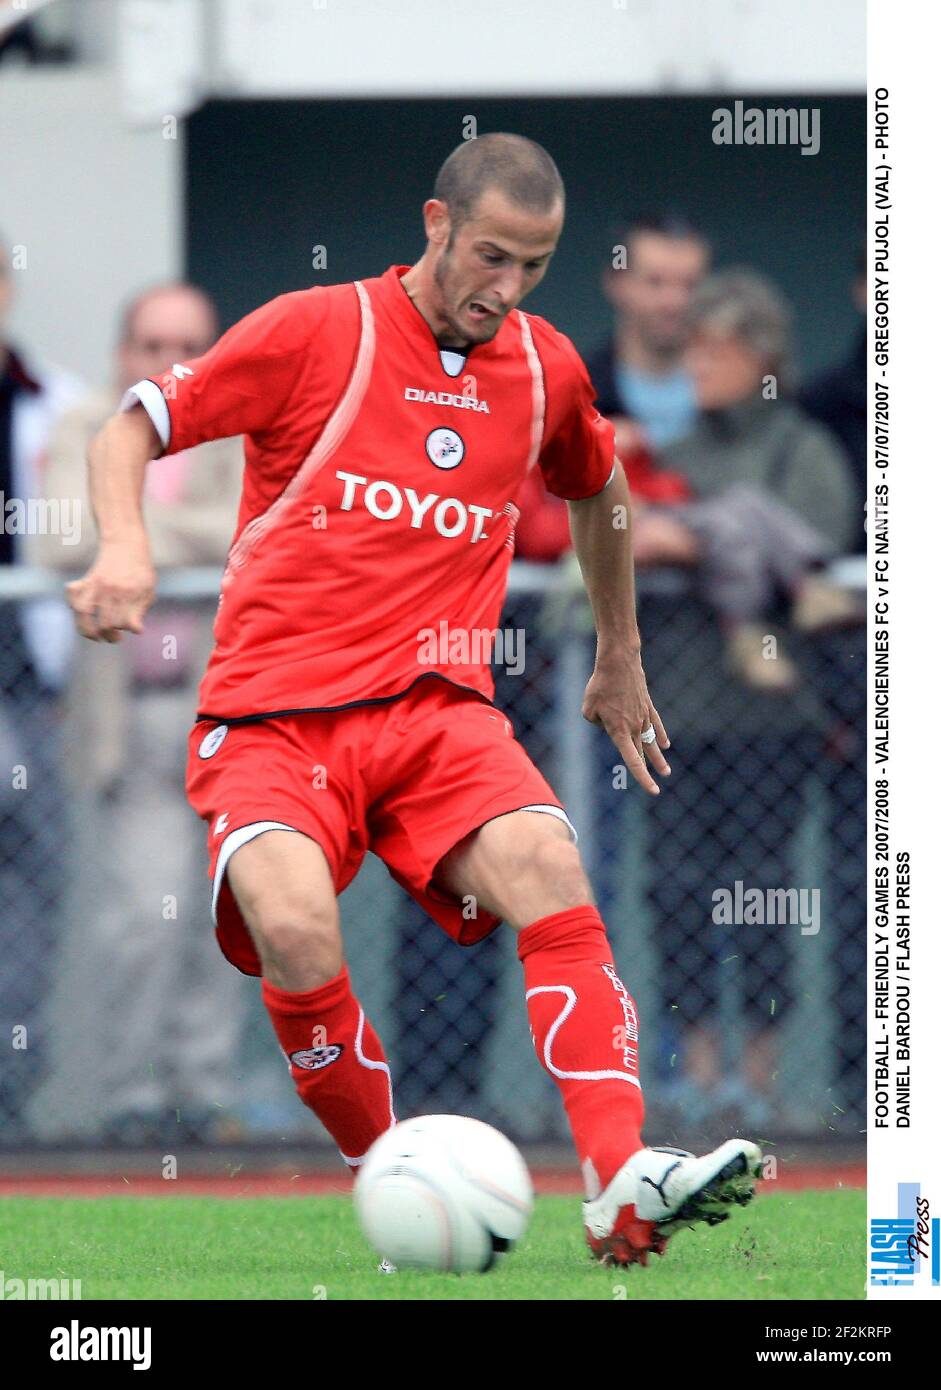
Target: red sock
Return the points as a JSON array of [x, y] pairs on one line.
[[336, 1060], [584, 1028]]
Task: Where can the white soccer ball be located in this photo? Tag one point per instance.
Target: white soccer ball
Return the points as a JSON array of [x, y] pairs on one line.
[[443, 1192]]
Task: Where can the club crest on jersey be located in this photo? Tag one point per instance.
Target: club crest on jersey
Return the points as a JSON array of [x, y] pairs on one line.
[[213, 741], [313, 1058], [459, 402], [445, 448]]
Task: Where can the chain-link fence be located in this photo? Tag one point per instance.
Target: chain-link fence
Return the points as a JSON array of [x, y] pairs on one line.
[[735, 901]]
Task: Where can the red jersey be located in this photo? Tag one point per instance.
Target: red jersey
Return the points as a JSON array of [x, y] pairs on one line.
[[382, 474]]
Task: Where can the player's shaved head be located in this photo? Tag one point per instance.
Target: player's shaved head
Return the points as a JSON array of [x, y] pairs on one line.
[[522, 171], [492, 227]]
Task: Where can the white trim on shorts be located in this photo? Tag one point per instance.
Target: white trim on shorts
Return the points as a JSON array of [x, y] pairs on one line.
[[235, 840], [246, 833], [552, 811]]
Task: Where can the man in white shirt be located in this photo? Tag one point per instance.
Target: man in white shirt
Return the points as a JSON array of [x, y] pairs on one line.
[[36, 639]]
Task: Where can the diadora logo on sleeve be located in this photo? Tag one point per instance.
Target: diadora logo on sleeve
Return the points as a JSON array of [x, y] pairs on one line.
[[414, 393]]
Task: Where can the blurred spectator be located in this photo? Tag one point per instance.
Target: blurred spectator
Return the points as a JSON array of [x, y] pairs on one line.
[[38, 635], [160, 1035], [768, 484], [740, 755], [837, 398], [642, 382], [747, 547], [35, 639], [640, 376]]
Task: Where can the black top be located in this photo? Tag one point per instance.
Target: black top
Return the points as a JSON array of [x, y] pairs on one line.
[[16, 669], [14, 381], [837, 399]]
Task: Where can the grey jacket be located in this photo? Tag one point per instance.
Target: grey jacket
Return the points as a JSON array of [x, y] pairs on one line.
[[772, 444]]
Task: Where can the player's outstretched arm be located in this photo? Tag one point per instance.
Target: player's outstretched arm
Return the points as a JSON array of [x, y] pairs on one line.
[[119, 587], [616, 697]]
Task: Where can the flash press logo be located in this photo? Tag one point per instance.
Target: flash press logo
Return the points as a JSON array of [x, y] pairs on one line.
[[903, 1246]]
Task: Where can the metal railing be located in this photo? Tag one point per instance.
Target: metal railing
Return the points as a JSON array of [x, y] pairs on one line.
[[118, 1017]]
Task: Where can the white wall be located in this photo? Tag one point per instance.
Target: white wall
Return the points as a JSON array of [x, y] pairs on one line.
[[91, 186], [95, 203], [550, 47], [174, 52]]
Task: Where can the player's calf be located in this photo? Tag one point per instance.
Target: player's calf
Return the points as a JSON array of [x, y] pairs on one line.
[[286, 896], [585, 1031], [524, 868]]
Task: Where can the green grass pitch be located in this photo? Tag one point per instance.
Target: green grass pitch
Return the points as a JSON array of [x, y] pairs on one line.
[[788, 1245]]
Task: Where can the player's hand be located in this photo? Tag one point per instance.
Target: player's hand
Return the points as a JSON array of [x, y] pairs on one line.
[[659, 539], [629, 437], [616, 699], [115, 593]]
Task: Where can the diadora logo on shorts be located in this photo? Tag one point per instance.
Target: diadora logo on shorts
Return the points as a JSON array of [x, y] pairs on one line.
[[313, 1058], [449, 516], [414, 393], [213, 741], [445, 448]]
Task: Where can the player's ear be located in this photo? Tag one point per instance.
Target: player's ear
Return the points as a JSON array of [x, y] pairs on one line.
[[437, 221]]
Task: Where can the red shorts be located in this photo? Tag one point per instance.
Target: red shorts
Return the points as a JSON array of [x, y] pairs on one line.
[[408, 780]]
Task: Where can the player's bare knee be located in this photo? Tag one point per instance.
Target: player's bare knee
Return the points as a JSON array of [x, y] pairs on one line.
[[566, 875], [557, 865], [297, 937], [288, 923]]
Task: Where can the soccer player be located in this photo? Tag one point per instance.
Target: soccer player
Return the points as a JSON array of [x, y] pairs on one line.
[[389, 426]]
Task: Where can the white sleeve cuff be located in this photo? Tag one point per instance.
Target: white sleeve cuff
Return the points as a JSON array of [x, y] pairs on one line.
[[149, 395], [614, 468]]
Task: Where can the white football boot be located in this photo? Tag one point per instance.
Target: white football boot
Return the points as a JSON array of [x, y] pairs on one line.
[[658, 1191]]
